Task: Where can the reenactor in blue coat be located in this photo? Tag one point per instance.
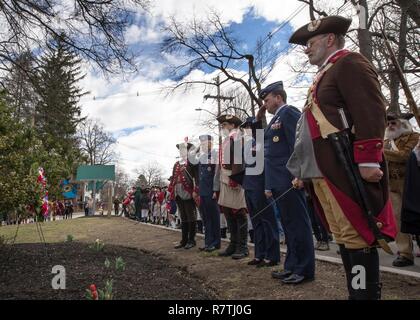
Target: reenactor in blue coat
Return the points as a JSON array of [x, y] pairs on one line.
[[266, 233], [279, 141], [209, 208]]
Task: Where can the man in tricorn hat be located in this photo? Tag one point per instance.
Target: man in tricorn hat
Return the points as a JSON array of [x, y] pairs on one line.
[[232, 196], [279, 140], [346, 94], [400, 140], [182, 186]]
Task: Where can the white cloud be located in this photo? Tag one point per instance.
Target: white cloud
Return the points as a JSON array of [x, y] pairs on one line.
[[169, 119]]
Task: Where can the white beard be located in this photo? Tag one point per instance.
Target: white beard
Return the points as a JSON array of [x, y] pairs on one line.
[[405, 127]]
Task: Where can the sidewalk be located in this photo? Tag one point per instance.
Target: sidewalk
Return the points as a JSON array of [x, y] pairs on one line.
[[385, 259]]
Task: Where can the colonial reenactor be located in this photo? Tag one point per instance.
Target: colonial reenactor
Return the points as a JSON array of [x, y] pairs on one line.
[[410, 213], [279, 140], [116, 206], [232, 195], [182, 187], [262, 216], [400, 140], [209, 208], [345, 118]]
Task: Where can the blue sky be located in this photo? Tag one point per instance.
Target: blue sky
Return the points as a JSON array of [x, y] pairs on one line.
[[149, 124]]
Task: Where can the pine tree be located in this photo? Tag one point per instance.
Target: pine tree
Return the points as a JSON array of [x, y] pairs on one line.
[[58, 112]]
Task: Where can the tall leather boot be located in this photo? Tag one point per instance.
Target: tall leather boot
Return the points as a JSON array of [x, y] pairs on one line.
[[242, 230], [184, 231], [369, 259], [231, 248], [347, 268], [192, 229]]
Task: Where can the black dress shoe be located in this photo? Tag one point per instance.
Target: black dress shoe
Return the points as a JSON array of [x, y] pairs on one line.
[[281, 274], [267, 264], [296, 279], [210, 249], [179, 246], [402, 262], [254, 262]]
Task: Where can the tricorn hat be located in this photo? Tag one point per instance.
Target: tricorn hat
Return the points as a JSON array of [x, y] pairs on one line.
[[395, 116], [230, 119], [329, 24], [185, 144]]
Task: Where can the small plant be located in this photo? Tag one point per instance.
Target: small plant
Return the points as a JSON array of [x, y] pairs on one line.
[[3, 240], [98, 245], [92, 293], [97, 294], [70, 238], [107, 263], [119, 264]]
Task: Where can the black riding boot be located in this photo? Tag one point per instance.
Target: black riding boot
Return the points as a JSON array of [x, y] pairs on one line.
[[367, 258], [347, 268], [184, 231], [234, 237], [192, 229], [242, 230]]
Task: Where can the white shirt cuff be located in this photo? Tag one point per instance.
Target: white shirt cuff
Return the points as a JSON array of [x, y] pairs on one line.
[[369, 165]]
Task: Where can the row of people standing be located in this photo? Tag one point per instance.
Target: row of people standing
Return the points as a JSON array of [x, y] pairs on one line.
[[334, 149]]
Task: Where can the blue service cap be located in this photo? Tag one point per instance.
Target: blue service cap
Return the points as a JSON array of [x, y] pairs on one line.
[[205, 137], [270, 88]]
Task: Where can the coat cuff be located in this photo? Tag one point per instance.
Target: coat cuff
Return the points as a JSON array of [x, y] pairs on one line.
[[368, 150]]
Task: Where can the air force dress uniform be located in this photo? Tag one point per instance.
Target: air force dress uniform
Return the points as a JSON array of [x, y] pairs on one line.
[[266, 234], [208, 206], [279, 141]]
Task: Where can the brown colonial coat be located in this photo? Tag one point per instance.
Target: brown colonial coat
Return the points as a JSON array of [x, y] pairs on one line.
[[352, 84]]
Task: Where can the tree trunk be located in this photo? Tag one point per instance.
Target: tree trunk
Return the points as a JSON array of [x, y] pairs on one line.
[[413, 9], [394, 79], [363, 33]]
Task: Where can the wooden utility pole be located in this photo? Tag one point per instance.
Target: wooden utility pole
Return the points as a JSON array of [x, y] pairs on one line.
[[410, 99], [219, 99]]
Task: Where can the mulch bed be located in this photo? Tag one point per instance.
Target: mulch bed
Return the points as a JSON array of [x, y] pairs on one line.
[[27, 273]]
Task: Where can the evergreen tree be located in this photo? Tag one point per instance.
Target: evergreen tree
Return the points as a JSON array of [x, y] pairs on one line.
[[58, 112]]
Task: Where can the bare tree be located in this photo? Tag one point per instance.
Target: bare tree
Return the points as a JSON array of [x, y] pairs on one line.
[[95, 143], [413, 9], [152, 174], [122, 183], [397, 20], [209, 43], [95, 29]]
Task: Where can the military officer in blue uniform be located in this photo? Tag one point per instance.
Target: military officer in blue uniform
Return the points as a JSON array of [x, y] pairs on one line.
[[209, 208], [266, 233], [279, 141]]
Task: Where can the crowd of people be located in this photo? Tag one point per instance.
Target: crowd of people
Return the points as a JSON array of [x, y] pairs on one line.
[[343, 168]]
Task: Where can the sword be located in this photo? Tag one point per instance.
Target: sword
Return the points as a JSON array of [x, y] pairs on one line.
[[341, 144]]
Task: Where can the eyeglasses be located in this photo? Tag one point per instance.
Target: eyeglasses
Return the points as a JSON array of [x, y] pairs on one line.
[[310, 44], [392, 123]]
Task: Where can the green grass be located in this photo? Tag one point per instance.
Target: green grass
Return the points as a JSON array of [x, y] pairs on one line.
[[57, 231]]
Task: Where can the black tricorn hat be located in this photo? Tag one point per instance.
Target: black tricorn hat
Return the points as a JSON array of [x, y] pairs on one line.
[[395, 116], [329, 24], [230, 119], [185, 144]]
